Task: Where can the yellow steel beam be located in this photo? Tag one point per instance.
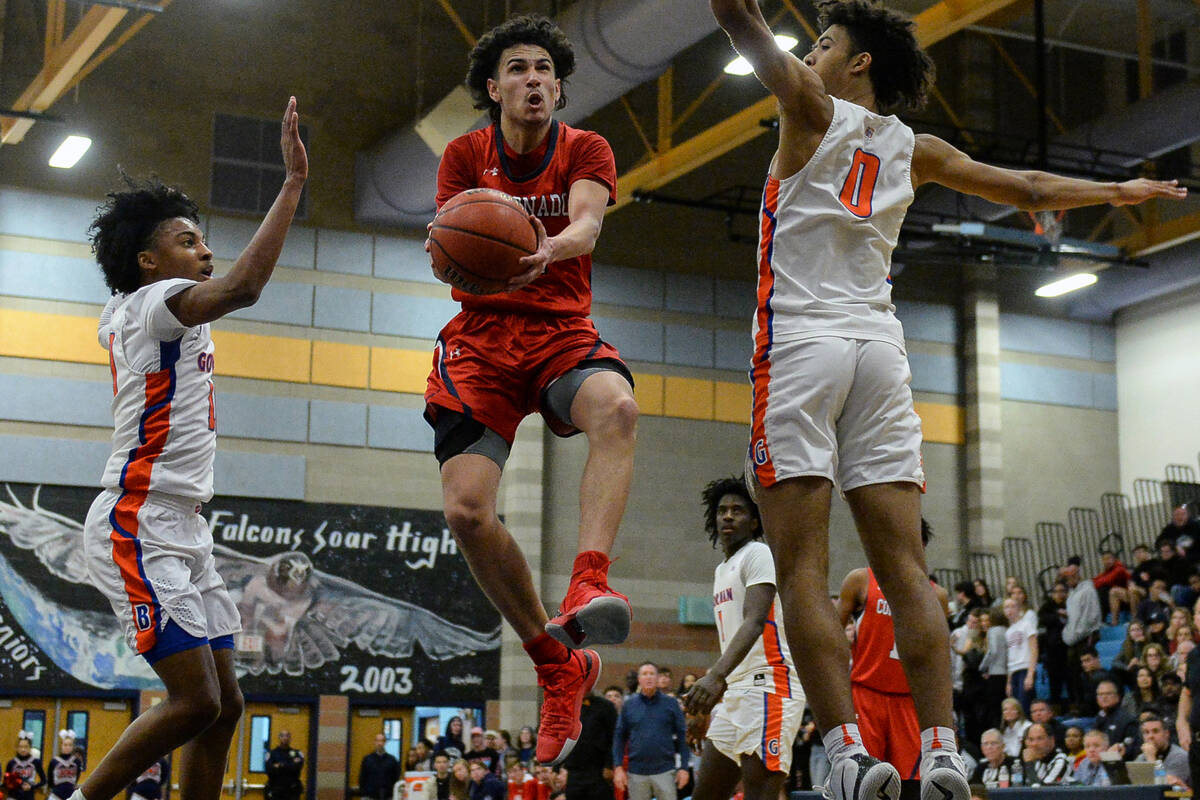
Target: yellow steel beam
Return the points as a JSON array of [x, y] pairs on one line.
[[458, 23], [934, 24], [56, 20], [637, 126], [66, 60], [666, 104], [1151, 239], [124, 37]]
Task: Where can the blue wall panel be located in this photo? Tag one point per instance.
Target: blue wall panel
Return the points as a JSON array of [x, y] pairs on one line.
[[624, 286], [342, 309], [637, 340], [1037, 384], [398, 428], [45, 216], [734, 349], [1104, 391], [689, 346], [259, 475], [1046, 335], [690, 293], [253, 416], [343, 251], [403, 315], [282, 302], [37, 459], [338, 423], [46, 277], [1104, 343], [65, 401], [402, 259], [228, 237], [934, 373], [928, 322], [736, 299]]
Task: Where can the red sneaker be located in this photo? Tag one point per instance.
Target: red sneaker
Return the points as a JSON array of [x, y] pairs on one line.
[[591, 613], [565, 685]]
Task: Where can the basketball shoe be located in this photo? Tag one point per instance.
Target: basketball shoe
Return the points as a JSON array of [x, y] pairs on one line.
[[862, 777], [591, 613], [943, 776], [564, 687]]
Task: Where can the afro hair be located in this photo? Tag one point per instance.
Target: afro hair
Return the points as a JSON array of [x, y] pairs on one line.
[[126, 224]]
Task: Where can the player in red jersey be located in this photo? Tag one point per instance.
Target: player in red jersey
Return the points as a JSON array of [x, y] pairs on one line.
[[887, 718], [533, 348]]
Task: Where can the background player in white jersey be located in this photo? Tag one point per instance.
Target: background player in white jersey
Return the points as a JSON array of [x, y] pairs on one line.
[[759, 703], [831, 396], [148, 549]]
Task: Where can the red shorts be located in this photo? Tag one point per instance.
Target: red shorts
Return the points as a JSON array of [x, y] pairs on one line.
[[889, 728], [494, 366]]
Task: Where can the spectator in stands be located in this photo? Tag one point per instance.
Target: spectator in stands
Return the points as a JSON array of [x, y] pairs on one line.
[[972, 648], [665, 683], [441, 776], [983, 595], [1157, 746], [1118, 724], [480, 751], [1185, 642], [460, 780], [590, 764], [1073, 744], [1090, 676], [686, 683], [964, 601], [1144, 695], [523, 786], [1052, 617], [1041, 711], [379, 771], [424, 755], [1175, 570], [997, 769], [1090, 770], [1180, 617], [995, 663], [1113, 575], [1155, 657], [1170, 688], [1013, 726], [1128, 658], [1183, 531], [1022, 655], [527, 739], [1043, 764], [451, 742], [616, 696], [1083, 616], [484, 783], [652, 725]]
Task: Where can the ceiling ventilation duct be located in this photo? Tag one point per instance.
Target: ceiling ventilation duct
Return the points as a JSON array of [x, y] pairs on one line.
[[619, 44]]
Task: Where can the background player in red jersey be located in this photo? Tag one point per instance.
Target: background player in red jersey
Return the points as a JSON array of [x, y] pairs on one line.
[[533, 348], [887, 718]]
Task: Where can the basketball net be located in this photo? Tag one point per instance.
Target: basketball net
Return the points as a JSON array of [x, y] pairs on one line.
[[1048, 224]]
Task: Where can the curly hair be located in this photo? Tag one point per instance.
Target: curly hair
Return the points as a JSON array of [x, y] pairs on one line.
[[532, 29], [126, 224], [711, 497], [900, 70]]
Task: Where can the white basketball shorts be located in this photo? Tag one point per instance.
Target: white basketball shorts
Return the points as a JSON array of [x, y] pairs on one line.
[[152, 556], [836, 408], [754, 722]]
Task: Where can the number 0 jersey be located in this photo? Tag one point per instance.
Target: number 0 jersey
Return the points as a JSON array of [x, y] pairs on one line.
[[164, 417], [768, 666], [827, 233]]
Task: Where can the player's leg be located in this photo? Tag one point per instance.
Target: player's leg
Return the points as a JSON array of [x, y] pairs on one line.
[[193, 703], [718, 776], [758, 782], [204, 756], [598, 400]]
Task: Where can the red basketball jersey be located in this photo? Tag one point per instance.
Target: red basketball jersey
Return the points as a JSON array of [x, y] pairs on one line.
[[541, 180], [876, 662]]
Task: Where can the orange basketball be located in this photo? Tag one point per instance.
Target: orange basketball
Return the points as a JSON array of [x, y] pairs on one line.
[[478, 238]]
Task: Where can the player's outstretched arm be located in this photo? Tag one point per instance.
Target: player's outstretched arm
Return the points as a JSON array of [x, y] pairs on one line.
[[800, 91], [243, 284], [936, 161], [707, 691], [586, 202]]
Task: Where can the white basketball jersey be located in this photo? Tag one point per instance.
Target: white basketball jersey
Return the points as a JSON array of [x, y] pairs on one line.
[[164, 417], [768, 665], [827, 233]]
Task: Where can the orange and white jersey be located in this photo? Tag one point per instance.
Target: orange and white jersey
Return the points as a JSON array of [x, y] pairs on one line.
[[827, 233], [768, 666], [164, 417]]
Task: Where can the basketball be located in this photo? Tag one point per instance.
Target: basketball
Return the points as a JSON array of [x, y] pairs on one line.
[[478, 239]]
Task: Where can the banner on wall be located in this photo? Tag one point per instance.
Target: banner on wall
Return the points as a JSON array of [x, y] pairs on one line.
[[334, 599]]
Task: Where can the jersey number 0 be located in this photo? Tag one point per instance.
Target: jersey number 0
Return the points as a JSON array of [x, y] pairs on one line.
[[859, 187]]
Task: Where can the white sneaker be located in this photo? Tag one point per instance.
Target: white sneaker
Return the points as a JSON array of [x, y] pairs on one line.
[[944, 777], [861, 777]]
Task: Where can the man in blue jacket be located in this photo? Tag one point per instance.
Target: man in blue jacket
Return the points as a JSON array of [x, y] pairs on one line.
[[484, 783], [651, 723]]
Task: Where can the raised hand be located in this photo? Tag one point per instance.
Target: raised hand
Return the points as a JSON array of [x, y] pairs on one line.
[[295, 157], [1140, 190]]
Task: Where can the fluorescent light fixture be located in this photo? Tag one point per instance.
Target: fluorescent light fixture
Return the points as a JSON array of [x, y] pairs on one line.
[[70, 151], [740, 66], [1067, 284]]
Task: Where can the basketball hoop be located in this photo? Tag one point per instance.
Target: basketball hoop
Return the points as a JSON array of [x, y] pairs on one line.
[[1049, 225]]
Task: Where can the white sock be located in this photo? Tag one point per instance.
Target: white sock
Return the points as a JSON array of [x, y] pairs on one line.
[[938, 738], [77, 796], [842, 741]]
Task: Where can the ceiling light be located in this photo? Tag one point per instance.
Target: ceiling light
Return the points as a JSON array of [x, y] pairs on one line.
[[70, 151], [740, 66], [1067, 284]]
